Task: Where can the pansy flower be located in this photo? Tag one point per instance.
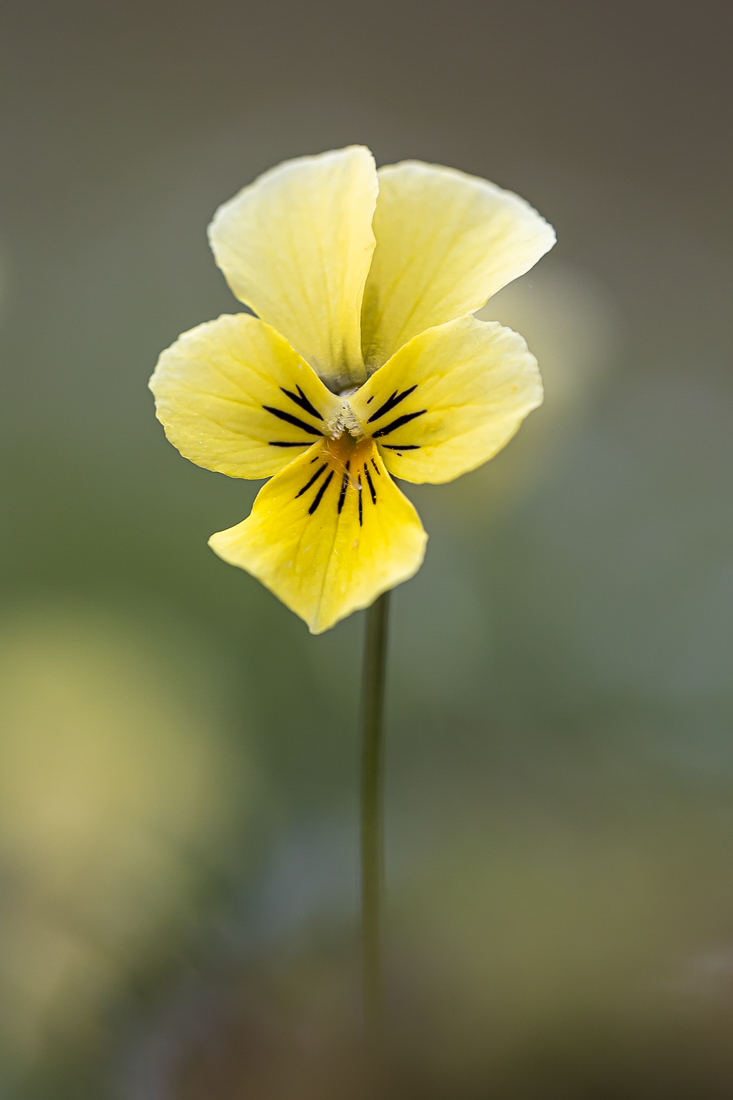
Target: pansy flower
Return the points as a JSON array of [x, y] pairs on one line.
[[363, 363]]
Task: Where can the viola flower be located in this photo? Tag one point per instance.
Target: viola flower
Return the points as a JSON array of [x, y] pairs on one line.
[[363, 363]]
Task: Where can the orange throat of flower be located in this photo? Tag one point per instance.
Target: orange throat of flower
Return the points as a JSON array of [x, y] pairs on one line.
[[346, 455]]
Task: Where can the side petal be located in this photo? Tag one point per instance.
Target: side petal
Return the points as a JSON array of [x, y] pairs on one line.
[[445, 243], [234, 397], [328, 534], [296, 246], [449, 400]]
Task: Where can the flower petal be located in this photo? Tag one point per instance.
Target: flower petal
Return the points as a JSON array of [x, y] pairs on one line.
[[296, 246], [233, 396], [449, 400], [329, 533], [445, 243]]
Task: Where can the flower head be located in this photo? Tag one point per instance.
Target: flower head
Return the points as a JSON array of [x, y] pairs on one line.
[[364, 361]]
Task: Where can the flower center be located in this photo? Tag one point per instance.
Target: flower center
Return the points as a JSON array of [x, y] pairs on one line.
[[344, 453], [347, 423], [345, 472]]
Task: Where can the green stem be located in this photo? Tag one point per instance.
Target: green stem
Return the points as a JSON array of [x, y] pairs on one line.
[[372, 824]]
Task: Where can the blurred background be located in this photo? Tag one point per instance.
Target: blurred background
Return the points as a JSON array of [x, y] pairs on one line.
[[178, 756]]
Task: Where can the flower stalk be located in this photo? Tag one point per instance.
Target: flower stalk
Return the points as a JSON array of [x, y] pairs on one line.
[[372, 825]]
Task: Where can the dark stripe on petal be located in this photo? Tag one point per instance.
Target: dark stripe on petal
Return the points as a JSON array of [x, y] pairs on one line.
[[404, 447], [361, 505], [301, 400], [290, 419], [315, 477], [398, 423], [370, 400], [390, 403], [319, 495], [302, 443], [383, 408], [344, 487], [371, 485], [376, 468]]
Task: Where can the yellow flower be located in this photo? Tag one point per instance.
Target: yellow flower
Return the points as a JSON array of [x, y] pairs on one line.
[[364, 361]]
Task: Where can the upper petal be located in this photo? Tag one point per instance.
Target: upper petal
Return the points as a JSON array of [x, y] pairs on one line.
[[446, 242], [449, 400], [329, 533], [234, 397], [296, 246]]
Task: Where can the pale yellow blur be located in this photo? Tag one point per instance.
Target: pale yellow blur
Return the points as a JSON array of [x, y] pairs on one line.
[[117, 790], [575, 329]]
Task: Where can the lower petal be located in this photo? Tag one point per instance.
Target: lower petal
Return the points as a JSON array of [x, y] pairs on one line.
[[329, 533]]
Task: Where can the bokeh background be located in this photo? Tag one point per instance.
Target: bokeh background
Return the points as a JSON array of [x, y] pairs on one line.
[[178, 756]]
